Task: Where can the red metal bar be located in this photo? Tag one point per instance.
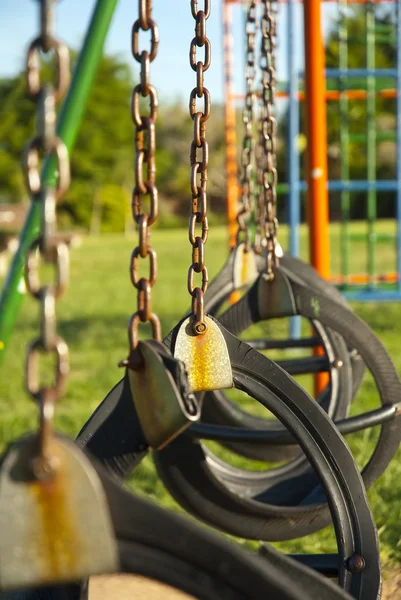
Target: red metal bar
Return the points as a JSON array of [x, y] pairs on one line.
[[230, 126], [316, 132]]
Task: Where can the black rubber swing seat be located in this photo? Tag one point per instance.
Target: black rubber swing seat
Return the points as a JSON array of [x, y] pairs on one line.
[[301, 299], [336, 398], [161, 545], [113, 433]]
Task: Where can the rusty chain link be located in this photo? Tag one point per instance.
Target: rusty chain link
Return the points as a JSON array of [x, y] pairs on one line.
[[199, 165], [267, 225], [145, 149], [46, 248], [248, 148]]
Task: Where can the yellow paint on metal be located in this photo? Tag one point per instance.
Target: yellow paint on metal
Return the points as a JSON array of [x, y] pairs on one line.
[[161, 410], [55, 530], [245, 269], [205, 357]]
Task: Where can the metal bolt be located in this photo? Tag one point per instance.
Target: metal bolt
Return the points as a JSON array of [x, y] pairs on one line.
[[356, 563], [337, 364], [199, 328], [134, 361], [191, 404], [44, 467]]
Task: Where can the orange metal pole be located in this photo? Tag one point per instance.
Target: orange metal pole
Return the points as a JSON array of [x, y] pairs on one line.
[[363, 278], [335, 94], [230, 126], [316, 131]]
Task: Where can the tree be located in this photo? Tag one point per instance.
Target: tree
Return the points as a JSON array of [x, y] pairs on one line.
[[103, 154], [16, 125]]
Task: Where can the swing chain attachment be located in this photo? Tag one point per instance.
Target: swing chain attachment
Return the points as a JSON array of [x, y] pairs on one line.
[[145, 183], [46, 248], [248, 149], [199, 166], [267, 171]]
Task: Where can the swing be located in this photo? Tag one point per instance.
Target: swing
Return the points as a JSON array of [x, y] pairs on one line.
[[158, 402]]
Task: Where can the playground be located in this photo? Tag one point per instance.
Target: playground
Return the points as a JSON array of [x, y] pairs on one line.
[[95, 319], [215, 408]]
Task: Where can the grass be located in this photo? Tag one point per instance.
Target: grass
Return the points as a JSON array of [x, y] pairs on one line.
[[93, 319]]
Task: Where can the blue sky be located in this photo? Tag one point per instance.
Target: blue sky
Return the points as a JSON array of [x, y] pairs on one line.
[[170, 71]]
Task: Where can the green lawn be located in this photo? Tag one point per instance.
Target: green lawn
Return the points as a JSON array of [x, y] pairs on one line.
[[93, 318]]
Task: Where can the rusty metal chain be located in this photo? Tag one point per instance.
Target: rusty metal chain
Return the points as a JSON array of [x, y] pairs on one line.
[[199, 165], [46, 248], [267, 171], [248, 148], [145, 186]]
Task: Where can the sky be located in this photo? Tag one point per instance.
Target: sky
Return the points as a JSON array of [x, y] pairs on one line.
[[170, 72]]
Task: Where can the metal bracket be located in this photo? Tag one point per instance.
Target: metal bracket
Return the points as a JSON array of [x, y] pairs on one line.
[[205, 357], [275, 296], [160, 391], [245, 270], [57, 529]]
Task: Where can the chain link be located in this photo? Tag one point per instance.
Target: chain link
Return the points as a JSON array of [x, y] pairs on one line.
[[267, 222], [46, 248], [248, 149], [145, 183], [199, 157]]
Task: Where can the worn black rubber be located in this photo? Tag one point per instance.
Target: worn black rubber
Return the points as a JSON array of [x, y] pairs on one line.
[[113, 433], [195, 560], [310, 277], [222, 286], [168, 548], [358, 335], [183, 467], [70, 592], [218, 409]]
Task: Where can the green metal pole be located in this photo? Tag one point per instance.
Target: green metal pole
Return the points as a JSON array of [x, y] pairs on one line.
[[67, 128], [371, 138], [344, 138]]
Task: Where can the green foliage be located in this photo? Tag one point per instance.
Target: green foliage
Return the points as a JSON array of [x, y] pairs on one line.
[[103, 155], [16, 120], [115, 208]]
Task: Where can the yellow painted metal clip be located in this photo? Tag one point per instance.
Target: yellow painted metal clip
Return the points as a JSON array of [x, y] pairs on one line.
[[57, 529], [205, 357]]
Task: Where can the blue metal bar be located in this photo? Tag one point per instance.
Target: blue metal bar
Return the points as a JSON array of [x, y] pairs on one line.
[[345, 196], [373, 296], [383, 73], [294, 204], [398, 153], [371, 142], [294, 208], [361, 185], [384, 185]]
